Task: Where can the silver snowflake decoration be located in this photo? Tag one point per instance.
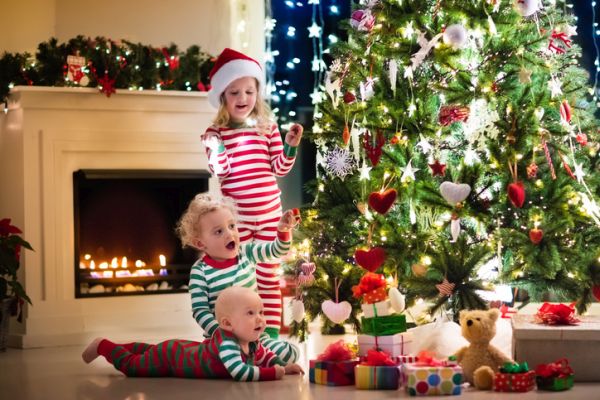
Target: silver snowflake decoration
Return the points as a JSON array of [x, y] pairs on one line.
[[481, 125], [339, 162]]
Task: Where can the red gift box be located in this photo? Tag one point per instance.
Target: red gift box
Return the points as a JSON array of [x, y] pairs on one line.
[[522, 382], [332, 373]]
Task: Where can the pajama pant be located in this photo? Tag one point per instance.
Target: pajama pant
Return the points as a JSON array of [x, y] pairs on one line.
[[147, 360]]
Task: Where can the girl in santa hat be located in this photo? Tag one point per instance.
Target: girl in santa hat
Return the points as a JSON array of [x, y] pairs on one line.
[[246, 153]]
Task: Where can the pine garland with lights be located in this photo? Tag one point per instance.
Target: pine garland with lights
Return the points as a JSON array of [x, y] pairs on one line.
[[476, 118], [114, 64]]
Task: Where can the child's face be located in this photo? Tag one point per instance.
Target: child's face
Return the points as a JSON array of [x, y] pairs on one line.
[[220, 238], [240, 98], [247, 321]]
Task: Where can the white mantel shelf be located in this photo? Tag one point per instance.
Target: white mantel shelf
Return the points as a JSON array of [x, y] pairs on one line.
[[46, 135]]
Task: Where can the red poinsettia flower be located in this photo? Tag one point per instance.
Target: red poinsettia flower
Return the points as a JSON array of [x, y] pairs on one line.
[[7, 229]]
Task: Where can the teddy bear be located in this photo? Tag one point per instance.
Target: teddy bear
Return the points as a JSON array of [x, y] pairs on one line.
[[480, 360]]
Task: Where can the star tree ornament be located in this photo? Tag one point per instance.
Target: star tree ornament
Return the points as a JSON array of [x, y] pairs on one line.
[[408, 172], [437, 168], [524, 75]]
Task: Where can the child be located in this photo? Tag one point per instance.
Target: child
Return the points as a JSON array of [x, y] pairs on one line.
[[209, 226], [246, 153], [233, 351]]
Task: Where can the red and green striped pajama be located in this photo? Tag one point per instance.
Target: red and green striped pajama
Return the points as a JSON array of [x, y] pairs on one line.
[[247, 164], [218, 357]]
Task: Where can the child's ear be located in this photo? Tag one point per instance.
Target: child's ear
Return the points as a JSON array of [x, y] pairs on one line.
[[225, 323], [199, 245]]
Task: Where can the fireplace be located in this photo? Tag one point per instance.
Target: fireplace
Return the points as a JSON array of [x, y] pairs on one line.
[[124, 220]]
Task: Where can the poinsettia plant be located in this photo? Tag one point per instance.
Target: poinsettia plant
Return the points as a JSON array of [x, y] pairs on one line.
[[11, 244]]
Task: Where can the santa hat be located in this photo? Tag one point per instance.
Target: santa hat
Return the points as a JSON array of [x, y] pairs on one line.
[[232, 65]]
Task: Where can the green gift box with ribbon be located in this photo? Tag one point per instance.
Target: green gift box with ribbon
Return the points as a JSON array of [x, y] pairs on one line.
[[385, 325]]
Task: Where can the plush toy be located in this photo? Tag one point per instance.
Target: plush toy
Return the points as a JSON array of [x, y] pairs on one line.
[[480, 360]]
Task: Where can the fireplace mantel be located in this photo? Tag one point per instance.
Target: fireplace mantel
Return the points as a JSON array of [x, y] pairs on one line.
[[47, 134]]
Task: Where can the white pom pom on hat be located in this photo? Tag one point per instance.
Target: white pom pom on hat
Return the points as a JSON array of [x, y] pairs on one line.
[[232, 65]]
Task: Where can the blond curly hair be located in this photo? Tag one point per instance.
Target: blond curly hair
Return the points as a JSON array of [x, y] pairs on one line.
[[188, 227], [261, 113]]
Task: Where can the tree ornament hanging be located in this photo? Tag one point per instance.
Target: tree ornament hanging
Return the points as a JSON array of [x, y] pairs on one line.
[[349, 98], [397, 299], [437, 168], [339, 162], [445, 288], [565, 112], [426, 46], [532, 170], [559, 42], [456, 36], [382, 201], [526, 7], [370, 259], [454, 193], [362, 20], [418, 269], [298, 310], [393, 74], [106, 84], [346, 134], [454, 227], [536, 235], [582, 139], [545, 133], [453, 113], [336, 312], [524, 75], [373, 150], [516, 194]]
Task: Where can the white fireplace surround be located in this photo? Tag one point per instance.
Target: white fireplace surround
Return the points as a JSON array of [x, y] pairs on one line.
[[46, 135]]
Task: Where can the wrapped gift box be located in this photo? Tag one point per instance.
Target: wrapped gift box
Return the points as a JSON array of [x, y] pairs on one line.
[[432, 381], [395, 345], [377, 378], [554, 384], [332, 373], [542, 344], [378, 309], [386, 325], [522, 382]]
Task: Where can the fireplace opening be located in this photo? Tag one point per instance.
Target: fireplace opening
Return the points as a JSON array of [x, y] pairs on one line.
[[125, 241]]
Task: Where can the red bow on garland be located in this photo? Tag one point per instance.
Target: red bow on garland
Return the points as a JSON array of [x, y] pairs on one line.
[[556, 314], [557, 369]]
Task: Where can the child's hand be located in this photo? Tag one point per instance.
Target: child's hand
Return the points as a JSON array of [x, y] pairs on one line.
[[212, 141], [294, 135], [279, 372], [289, 220], [294, 369]]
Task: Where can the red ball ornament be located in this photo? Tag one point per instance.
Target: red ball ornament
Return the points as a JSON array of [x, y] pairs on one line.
[[516, 194], [536, 235], [349, 98], [383, 201], [370, 259]]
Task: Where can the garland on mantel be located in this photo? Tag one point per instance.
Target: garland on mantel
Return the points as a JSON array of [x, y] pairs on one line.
[[108, 65]]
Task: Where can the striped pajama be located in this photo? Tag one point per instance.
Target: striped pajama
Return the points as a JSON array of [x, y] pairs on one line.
[[218, 357], [247, 164]]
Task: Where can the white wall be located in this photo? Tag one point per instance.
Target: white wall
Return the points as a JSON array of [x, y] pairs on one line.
[[211, 24]]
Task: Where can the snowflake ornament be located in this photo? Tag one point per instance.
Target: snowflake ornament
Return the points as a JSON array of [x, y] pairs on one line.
[[339, 162], [481, 124]]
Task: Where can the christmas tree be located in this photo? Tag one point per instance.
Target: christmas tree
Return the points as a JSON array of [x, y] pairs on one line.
[[457, 149]]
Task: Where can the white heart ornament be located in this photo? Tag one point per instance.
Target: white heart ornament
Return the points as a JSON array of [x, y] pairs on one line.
[[455, 229], [297, 310], [336, 312], [396, 300], [454, 192], [308, 268]]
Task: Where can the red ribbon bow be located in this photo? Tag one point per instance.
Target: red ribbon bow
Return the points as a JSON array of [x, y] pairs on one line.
[[368, 283], [337, 351], [376, 358], [557, 369], [556, 314]]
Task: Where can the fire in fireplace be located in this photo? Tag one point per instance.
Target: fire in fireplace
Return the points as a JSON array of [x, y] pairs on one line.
[[125, 241]]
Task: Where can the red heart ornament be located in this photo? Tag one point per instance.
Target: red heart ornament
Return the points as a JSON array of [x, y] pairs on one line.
[[536, 235], [383, 201], [516, 194], [370, 259]]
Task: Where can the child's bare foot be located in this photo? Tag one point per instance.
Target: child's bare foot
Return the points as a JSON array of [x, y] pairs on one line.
[[91, 351]]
